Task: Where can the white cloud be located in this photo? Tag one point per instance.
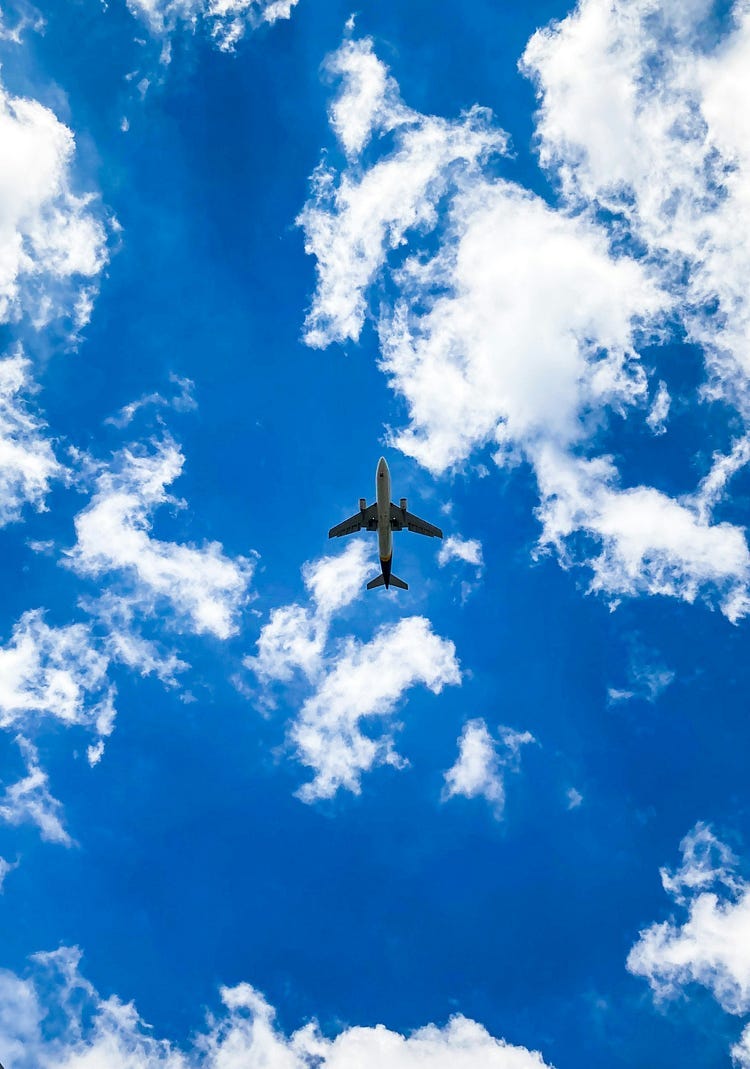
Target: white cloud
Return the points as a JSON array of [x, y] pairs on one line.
[[295, 637], [352, 221], [740, 1052], [26, 18], [57, 672], [468, 550], [517, 325], [335, 581], [54, 672], [645, 681], [5, 868], [27, 462], [52, 240], [479, 771], [351, 681], [366, 680], [711, 946], [204, 589], [713, 487], [182, 401], [226, 21], [506, 255], [29, 800], [120, 618], [574, 797], [648, 542], [665, 143], [94, 1031], [657, 417]]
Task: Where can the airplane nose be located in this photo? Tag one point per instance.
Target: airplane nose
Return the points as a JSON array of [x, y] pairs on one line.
[[382, 466]]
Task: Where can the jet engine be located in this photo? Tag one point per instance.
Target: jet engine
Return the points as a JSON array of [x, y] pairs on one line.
[[362, 504], [402, 503]]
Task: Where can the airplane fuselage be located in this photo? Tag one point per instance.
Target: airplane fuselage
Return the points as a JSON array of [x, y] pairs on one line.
[[385, 533]]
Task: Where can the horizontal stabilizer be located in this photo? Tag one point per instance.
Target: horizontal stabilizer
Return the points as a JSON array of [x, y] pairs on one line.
[[393, 581]]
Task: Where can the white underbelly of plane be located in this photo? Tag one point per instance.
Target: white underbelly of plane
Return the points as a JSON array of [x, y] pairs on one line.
[[383, 494]]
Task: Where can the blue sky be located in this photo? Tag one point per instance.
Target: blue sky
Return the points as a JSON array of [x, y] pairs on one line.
[[250, 814]]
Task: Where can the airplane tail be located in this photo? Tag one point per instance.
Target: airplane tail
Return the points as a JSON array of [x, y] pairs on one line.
[[393, 581]]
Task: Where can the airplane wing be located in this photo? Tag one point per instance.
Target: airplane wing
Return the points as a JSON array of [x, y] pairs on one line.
[[400, 518], [367, 519]]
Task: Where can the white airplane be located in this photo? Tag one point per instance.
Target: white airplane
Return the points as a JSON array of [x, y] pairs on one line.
[[385, 518]]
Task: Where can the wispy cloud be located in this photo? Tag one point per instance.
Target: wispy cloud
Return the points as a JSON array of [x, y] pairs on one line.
[[202, 588], [183, 400], [27, 461], [467, 551], [6, 867], [225, 21], [647, 679], [29, 801], [657, 417], [18, 17]]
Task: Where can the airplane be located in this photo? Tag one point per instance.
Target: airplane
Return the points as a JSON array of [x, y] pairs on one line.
[[385, 518]]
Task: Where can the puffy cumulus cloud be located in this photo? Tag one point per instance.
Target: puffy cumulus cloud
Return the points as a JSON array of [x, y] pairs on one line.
[[352, 681], [353, 220], [711, 946], [469, 550], [366, 680], [29, 801], [510, 323], [507, 373], [54, 672], [665, 144], [27, 461], [43, 1027], [226, 21], [741, 1050], [53, 241], [295, 637], [643, 540], [202, 588], [479, 771]]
